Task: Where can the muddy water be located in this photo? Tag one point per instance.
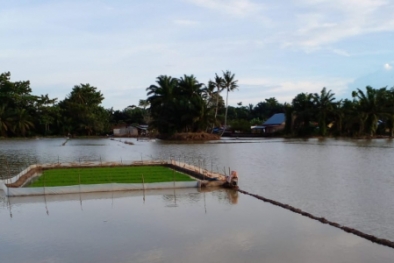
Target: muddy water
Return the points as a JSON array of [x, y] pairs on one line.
[[170, 226], [346, 181]]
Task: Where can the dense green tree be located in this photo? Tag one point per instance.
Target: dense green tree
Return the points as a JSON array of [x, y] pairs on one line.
[[16, 106], [82, 113], [303, 113], [180, 105], [389, 109], [265, 109], [289, 110], [15, 94], [46, 115]]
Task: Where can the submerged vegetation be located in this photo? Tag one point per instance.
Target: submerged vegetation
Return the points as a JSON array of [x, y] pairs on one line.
[[105, 175], [186, 105]]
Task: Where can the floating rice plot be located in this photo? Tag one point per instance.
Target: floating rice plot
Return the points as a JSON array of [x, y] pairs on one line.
[[64, 178]]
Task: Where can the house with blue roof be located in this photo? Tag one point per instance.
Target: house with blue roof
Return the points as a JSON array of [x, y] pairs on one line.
[[275, 123]]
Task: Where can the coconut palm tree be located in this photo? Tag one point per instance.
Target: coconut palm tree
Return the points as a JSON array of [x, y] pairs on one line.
[[189, 95], [162, 103], [45, 113], [324, 104], [369, 107], [213, 101], [145, 113], [22, 122], [303, 112], [229, 84], [219, 84], [5, 120]]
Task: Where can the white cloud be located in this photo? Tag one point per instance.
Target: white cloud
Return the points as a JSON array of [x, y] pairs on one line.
[[233, 7], [387, 66], [254, 81], [255, 90], [330, 21], [186, 22], [340, 52]]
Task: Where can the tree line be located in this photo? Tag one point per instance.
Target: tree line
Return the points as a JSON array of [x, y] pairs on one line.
[[184, 104], [25, 114]]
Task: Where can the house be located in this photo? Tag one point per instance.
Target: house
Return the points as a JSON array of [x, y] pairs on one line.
[[257, 129], [142, 129], [275, 123], [125, 130]]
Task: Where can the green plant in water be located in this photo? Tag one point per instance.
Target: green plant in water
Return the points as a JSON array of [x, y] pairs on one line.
[[105, 175]]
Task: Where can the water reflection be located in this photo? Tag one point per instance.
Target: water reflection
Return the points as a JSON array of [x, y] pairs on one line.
[[120, 227], [170, 197]]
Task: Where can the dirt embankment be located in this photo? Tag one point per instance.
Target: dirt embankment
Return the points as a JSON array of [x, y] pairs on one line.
[[24, 177], [190, 136]]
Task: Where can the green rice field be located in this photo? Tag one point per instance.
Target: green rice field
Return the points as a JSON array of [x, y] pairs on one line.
[[104, 175]]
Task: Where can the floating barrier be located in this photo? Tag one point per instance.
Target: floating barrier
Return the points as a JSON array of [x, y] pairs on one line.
[[356, 232]]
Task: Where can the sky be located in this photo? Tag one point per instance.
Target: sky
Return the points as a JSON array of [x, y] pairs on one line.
[[275, 48]]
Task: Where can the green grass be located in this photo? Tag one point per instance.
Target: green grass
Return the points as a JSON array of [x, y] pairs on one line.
[[104, 175]]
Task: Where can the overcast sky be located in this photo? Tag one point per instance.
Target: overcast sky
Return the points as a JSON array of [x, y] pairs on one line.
[[275, 48]]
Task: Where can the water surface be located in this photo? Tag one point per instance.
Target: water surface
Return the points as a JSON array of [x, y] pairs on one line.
[[170, 226], [346, 181]]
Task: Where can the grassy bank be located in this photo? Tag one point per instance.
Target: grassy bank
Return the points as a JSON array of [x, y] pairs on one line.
[[104, 175]]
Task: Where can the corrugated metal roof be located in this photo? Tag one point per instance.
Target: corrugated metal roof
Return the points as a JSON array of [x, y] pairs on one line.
[[275, 119]]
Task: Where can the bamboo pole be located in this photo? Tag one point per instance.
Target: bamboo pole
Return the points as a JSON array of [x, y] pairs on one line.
[[143, 186], [43, 177], [173, 177], [8, 170]]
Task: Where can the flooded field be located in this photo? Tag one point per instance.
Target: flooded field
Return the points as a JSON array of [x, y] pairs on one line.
[[349, 182], [170, 226]]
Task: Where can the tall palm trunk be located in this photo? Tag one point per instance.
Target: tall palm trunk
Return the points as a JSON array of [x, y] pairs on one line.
[[229, 84], [217, 105], [225, 115]]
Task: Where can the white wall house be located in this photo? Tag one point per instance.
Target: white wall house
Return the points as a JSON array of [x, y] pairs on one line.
[[126, 131]]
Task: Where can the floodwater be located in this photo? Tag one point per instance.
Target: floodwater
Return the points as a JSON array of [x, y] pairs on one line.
[[346, 181]]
